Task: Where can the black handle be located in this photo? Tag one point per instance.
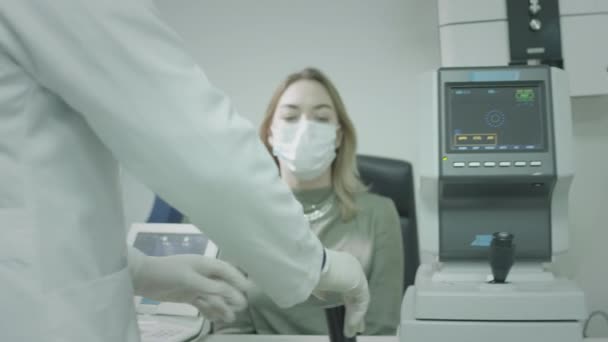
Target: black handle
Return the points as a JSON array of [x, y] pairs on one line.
[[502, 256], [335, 323]]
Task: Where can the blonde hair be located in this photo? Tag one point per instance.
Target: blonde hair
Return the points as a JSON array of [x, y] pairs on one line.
[[345, 176]]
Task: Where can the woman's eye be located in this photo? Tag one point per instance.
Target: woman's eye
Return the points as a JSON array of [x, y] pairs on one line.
[[322, 118], [291, 118]]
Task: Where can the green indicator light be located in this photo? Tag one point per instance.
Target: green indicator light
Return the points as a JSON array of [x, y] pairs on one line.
[[524, 95]]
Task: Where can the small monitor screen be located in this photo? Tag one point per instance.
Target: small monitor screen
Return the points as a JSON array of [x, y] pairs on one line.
[[508, 118], [159, 244]]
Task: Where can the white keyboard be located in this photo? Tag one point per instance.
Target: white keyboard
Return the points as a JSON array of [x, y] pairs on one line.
[[153, 330]]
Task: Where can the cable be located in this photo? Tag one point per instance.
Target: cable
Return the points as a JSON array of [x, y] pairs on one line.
[[593, 314]]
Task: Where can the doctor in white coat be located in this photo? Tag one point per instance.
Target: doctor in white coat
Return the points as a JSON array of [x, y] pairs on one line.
[[85, 84]]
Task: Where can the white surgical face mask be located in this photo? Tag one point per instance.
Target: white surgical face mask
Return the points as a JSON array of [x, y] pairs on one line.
[[306, 147]]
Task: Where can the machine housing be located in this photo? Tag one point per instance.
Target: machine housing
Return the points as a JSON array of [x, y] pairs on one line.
[[495, 155]]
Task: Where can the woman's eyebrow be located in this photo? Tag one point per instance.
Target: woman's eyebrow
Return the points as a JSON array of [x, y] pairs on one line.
[[323, 105], [290, 106]]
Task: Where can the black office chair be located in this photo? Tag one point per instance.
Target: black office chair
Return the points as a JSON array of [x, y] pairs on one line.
[[394, 179]]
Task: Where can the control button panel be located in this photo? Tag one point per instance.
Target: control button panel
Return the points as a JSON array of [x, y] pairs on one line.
[[501, 164]]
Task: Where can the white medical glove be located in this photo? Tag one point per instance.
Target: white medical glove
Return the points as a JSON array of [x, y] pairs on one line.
[[344, 275], [215, 287]]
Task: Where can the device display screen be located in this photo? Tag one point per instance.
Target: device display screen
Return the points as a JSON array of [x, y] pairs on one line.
[[162, 244], [493, 118]]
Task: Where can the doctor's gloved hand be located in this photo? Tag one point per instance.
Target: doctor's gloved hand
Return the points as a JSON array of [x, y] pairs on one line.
[[215, 287], [343, 275]]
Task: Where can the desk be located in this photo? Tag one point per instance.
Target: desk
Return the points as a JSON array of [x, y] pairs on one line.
[[304, 338], [288, 338]]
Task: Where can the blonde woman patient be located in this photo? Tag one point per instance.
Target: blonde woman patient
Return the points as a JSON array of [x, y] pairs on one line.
[[309, 133]]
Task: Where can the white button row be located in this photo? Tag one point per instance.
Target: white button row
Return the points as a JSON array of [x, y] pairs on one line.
[[535, 163], [501, 164]]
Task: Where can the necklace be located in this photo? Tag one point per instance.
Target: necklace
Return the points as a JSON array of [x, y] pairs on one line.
[[319, 210]]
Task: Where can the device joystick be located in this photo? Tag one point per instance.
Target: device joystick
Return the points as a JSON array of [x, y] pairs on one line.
[[502, 256]]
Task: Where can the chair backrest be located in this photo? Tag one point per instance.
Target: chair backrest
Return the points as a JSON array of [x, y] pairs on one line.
[[162, 212], [394, 179]]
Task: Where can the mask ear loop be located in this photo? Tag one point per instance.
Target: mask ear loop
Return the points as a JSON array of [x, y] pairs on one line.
[[339, 136], [270, 139]]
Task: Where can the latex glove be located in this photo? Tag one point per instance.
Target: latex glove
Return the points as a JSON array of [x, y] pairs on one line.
[[215, 287], [344, 275]]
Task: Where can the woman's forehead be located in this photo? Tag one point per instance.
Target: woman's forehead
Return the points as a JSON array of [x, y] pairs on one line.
[[306, 93]]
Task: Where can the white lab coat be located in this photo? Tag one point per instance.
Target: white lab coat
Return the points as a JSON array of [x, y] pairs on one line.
[[87, 83]]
